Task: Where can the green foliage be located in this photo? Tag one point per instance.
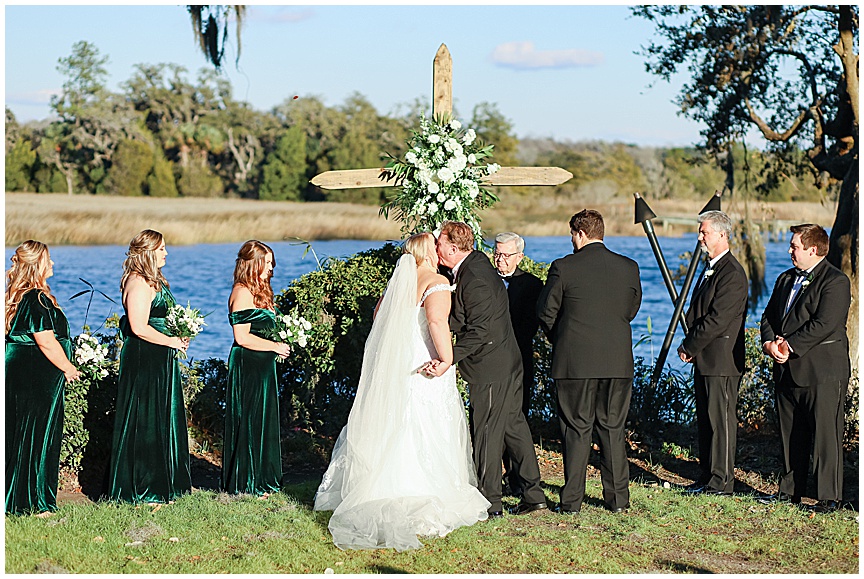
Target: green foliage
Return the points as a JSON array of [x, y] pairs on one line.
[[285, 168], [204, 386], [756, 408], [19, 165], [199, 181], [318, 382], [133, 161], [160, 182]]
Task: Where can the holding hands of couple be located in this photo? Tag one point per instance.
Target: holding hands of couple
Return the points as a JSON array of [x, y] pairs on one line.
[[434, 368]]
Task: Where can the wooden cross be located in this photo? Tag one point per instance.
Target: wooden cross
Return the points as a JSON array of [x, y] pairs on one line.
[[442, 102]]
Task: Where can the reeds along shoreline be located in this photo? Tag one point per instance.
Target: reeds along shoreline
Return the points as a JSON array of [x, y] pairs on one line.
[[59, 219]]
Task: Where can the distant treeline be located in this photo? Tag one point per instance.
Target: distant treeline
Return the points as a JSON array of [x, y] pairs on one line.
[[167, 136]]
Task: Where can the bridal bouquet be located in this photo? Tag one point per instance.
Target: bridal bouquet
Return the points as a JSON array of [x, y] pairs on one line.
[[184, 323], [441, 178], [290, 330], [90, 357]]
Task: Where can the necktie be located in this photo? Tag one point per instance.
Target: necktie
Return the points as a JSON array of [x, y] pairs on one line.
[[506, 280]]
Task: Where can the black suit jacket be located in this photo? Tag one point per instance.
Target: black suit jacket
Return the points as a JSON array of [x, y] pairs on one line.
[[523, 291], [716, 320], [815, 326], [586, 308], [485, 348]]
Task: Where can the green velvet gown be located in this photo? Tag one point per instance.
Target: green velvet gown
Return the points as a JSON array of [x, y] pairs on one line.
[[252, 455], [150, 452], [34, 406]]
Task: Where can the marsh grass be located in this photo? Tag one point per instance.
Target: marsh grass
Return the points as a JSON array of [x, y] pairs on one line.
[[664, 531], [59, 219]]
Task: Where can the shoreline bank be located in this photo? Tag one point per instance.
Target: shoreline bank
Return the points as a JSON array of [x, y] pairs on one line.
[[60, 219]]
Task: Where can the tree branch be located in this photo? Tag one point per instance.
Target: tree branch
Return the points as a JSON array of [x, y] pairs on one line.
[[770, 133]]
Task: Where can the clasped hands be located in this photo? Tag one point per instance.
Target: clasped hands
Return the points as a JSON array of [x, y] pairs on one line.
[[434, 368], [777, 349], [180, 344]]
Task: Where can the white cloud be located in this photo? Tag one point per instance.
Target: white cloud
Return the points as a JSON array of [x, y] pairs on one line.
[[523, 56]]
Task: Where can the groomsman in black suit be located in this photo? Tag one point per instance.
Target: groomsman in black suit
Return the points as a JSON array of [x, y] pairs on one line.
[[585, 309], [804, 330], [488, 359], [715, 346], [523, 289]]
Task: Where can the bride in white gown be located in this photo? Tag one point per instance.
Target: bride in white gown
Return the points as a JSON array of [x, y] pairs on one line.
[[402, 466]]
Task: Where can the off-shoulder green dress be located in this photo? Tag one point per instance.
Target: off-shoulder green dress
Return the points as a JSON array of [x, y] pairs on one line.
[[252, 456], [34, 406], [150, 451]]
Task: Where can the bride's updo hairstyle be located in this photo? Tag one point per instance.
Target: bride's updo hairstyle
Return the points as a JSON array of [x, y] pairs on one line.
[[141, 260], [248, 269], [418, 246], [30, 264]]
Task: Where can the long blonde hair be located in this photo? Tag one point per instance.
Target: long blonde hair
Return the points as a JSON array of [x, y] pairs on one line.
[[30, 264], [141, 260], [417, 246], [248, 268]]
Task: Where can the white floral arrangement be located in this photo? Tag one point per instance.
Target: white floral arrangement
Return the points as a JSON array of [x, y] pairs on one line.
[[441, 178], [90, 357], [290, 329], [184, 322]]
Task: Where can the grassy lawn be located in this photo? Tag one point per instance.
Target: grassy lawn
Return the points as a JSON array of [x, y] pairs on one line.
[[664, 531]]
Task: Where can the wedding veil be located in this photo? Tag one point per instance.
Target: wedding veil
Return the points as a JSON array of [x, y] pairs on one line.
[[378, 415]]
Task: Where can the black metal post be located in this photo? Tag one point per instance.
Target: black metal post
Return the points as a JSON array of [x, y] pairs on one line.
[[644, 215], [712, 205]]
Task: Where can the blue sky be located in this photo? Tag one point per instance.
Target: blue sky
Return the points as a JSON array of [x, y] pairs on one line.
[[567, 72]]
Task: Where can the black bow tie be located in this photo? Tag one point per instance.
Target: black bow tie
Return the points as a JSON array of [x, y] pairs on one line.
[[801, 272]]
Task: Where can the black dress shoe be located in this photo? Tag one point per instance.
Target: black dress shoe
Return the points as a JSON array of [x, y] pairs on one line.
[[823, 507], [495, 515], [562, 511], [714, 492], [695, 488], [780, 497], [524, 508], [618, 509]]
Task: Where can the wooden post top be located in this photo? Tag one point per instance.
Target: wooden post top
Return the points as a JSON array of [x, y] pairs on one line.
[[442, 82]]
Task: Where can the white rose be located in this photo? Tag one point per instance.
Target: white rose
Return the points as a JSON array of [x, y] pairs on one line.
[[307, 325], [433, 207], [302, 342], [433, 187], [472, 158], [493, 167], [103, 373], [455, 125], [283, 335], [469, 137], [446, 175], [441, 198], [449, 205], [434, 139], [411, 157]]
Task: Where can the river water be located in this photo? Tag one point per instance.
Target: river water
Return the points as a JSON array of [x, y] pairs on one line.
[[202, 275]]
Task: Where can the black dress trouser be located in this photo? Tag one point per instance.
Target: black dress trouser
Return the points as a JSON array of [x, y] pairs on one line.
[[811, 418], [584, 405], [497, 422], [717, 426]]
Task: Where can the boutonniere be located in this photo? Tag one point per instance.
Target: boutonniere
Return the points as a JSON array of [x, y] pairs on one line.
[[709, 272], [807, 280]]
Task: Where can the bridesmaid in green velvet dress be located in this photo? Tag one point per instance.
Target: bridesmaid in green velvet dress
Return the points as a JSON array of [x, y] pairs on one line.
[[38, 354], [251, 456], [150, 451]]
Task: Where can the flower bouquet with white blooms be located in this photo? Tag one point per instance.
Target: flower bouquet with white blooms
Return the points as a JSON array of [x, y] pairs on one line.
[[290, 329], [441, 178], [183, 322], [90, 357]]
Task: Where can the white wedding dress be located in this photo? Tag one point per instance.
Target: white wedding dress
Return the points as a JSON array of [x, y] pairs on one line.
[[402, 466]]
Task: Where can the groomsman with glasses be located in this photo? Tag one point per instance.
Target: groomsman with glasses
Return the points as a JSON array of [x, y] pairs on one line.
[[804, 330], [714, 344]]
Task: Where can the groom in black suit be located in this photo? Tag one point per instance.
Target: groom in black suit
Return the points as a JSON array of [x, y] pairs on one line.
[[585, 309], [804, 330], [714, 344], [489, 361]]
